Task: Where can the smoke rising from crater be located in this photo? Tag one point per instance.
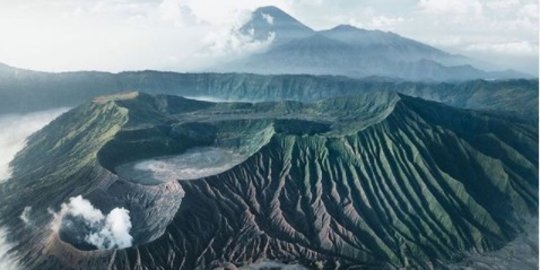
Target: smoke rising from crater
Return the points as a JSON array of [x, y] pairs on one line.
[[87, 225]]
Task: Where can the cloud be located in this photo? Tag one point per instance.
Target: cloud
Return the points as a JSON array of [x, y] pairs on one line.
[[225, 45], [501, 32], [529, 11], [512, 48], [82, 221], [178, 13], [386, 23], [268, 18], [230, 42], [186, 35], [15, 129], [502, 4], [447, 7], [376, 21]]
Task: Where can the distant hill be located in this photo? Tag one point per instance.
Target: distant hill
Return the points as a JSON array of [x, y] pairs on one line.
[[350, 51], [24, 90]]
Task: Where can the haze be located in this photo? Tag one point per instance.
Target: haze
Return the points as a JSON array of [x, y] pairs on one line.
[[188, 35]]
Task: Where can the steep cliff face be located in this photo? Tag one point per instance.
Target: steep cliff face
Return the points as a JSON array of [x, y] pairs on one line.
[[374, 181]]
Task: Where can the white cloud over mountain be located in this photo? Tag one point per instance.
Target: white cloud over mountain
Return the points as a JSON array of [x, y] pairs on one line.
[[179, 34]]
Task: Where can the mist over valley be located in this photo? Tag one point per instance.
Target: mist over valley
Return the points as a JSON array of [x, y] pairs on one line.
[[310, 136]]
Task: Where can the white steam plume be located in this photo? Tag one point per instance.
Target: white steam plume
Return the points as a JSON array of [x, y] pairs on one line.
[[104, 231]]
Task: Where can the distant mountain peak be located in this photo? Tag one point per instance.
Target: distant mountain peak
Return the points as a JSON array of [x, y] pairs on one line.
[[350, 51], [270, 20], [272, 10], [346, 27]]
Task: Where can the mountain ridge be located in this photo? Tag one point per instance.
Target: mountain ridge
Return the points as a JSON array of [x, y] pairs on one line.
[[308, 193], [23, 91], [373, 53]]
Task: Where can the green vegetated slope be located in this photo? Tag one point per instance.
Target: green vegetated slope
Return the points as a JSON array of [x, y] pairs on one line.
[[374, 181], [22, 90]]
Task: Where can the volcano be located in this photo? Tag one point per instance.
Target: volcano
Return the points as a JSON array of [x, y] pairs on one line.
[[377, 180]]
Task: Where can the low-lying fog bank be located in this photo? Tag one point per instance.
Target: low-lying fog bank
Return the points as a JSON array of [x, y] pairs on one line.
[[195, 163], [14, 130]]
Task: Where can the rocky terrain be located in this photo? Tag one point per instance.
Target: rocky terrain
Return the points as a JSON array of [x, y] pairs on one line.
[[375, 180], [24, 90]]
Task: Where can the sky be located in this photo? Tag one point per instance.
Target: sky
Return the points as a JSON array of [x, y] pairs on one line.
[[188, 35]]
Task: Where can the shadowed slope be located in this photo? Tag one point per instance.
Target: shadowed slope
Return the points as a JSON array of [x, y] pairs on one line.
[[399, 193], [389, 181]]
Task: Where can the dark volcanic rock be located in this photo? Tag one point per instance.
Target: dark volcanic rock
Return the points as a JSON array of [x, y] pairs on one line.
[[370, 181]]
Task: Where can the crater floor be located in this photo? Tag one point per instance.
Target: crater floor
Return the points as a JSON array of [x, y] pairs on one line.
[[197, 162]]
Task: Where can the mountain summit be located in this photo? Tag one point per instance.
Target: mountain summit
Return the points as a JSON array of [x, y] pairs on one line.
[[272, 21], [350, 51]]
